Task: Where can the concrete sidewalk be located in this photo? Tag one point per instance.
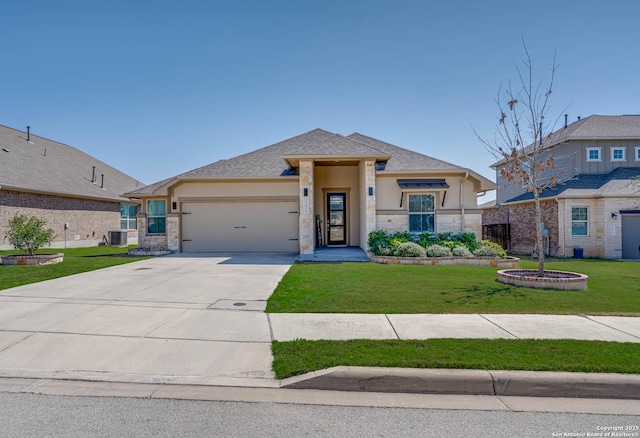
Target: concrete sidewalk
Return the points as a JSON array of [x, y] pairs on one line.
[[289, 326]]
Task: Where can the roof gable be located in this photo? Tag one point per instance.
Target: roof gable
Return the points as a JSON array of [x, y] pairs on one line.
[[46, 166], [273, 161]]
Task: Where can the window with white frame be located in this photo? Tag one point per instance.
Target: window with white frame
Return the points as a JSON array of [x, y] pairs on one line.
[[421, 213], [637, 154], [618, 154], [156, 216], [579, 221], [128, 216], [594, 154]]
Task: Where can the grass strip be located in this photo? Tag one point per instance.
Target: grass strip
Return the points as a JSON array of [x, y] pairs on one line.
[[76, 260], [613, 289], [302, 356]]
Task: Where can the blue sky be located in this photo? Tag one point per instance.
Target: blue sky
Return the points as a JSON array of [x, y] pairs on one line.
[[156, 88]]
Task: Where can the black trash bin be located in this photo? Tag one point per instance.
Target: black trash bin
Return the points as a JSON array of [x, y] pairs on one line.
[[578, 253]]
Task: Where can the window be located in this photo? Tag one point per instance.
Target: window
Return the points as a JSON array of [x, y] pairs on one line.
[[618, 154], [128, 217], [421, 213], [593, 154], [637, 149], [156, 217], [579, 221]]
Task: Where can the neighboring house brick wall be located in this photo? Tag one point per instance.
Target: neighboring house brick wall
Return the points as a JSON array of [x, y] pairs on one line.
[[89, 220], [495, 215], [523, 226]]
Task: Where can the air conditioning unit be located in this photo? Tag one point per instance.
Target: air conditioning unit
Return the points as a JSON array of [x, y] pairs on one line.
[[118, 238]]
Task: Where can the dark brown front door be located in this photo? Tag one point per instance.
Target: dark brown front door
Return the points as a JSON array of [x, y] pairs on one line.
[[336, 219]]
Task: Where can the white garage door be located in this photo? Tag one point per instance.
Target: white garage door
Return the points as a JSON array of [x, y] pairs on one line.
[[240, 227]]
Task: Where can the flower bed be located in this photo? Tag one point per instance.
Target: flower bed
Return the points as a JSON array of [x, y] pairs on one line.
[[508, 263], [32, 260]]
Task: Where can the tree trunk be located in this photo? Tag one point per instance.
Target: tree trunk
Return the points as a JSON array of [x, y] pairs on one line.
[[539, 239]]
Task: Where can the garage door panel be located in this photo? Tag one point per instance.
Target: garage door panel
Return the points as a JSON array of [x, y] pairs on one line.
[[240, 227]]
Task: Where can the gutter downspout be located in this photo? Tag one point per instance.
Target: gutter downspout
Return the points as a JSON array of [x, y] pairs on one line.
[[462, 222]]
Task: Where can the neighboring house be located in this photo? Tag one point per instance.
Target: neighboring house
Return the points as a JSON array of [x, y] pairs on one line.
[[315, 189], [77, 195], [595, 207]]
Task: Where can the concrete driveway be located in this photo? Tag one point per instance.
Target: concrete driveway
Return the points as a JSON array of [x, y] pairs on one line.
[[177, 319]]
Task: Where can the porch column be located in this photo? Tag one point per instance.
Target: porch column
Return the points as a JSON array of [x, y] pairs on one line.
[[306, 221], [370, 200]]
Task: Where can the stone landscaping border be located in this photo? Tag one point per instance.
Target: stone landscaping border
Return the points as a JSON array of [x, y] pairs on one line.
[[509, 262], [560, 280], [32, 260], [149, 251]]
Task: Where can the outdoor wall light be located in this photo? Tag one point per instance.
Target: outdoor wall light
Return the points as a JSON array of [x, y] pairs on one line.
[[370, 191], [614, 215], [306, 191]]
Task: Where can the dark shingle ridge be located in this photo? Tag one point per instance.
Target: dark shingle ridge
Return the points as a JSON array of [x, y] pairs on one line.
[[583, 181]]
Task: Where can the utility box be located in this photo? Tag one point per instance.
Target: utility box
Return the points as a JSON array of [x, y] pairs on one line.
[[118, 238]]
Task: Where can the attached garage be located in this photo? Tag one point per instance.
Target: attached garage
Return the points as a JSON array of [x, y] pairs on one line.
[[631, 234], [257, 226]]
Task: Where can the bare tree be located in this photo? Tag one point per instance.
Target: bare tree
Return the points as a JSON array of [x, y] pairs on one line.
[[523, 137]]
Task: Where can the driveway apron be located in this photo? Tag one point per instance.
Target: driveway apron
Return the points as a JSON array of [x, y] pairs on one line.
[[184, 318]]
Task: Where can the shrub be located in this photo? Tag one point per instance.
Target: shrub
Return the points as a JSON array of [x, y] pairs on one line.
[[410, 249], [438, 251], [461, 251], [380, 242], [490, 249], [28, 233]]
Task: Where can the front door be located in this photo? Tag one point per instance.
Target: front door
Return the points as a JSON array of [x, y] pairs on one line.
[[336, 219]]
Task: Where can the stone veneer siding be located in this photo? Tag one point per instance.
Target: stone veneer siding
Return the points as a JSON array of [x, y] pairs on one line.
[[306, 221], [523, 226], [89, 220], [150, 241]]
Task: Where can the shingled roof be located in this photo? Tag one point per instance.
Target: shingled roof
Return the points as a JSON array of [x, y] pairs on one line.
[[585, 184], [270, 161], [45, 166], [594, 127]]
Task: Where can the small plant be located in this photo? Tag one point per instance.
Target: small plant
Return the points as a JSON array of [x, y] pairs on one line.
[[490, 249], [410, 249], [461, 251], [28, 234], [380, 242], [438, 251]]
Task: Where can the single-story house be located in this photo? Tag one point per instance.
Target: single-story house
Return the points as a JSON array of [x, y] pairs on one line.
[[594, 210], [315, 189], [77, 195]]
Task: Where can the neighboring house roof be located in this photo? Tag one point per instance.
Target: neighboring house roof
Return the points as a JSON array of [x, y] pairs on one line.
[[44, 166], [594, 127], [589, 184], [274, 161]]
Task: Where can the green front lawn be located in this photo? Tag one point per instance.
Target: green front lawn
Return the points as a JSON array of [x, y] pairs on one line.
[[302, 356], [614, 288], [76, 260]]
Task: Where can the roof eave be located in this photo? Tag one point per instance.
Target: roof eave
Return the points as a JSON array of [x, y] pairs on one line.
[[293, 160], [120, 198]]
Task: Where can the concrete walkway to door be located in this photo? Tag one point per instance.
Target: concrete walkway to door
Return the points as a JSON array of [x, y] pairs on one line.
[[182, 318]]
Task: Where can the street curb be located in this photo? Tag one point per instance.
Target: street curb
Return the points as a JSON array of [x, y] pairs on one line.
[[470, 382]]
